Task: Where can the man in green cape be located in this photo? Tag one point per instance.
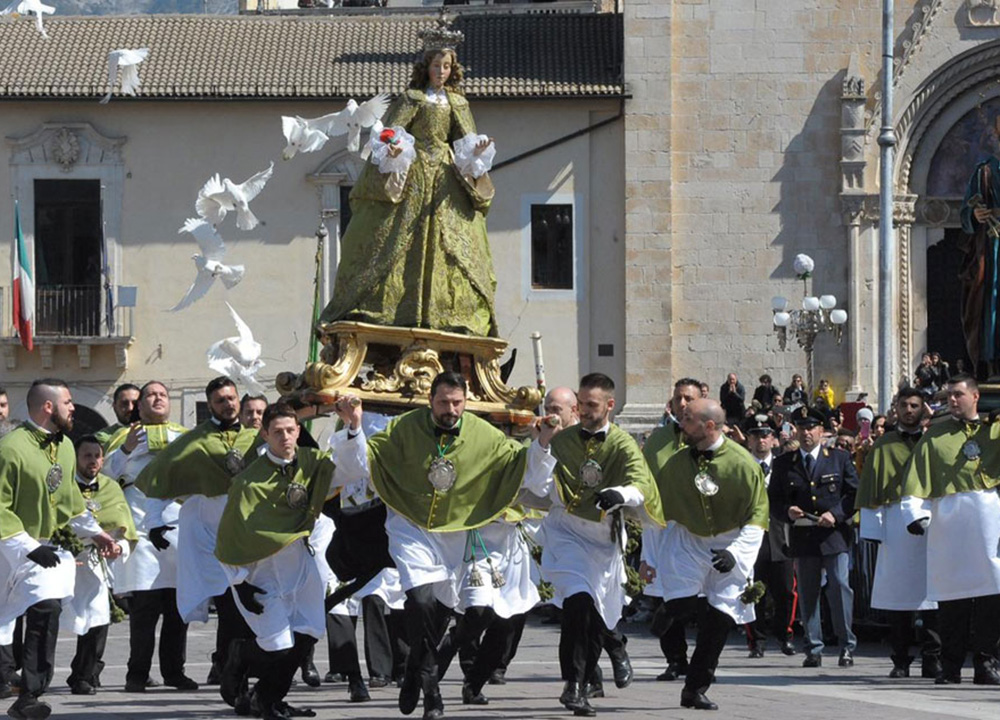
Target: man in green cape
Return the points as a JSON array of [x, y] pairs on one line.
[[196, 470], [37, 498], [443, 474], [949, 493], [599, 470], [263, 547], [88, 614], [123, 404], [715, 511], [659, 447], [900, 585]]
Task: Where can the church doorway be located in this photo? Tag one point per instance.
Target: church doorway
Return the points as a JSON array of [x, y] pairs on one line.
[[944, 298]]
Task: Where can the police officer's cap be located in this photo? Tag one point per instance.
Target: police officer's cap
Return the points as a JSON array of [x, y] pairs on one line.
[[759, 423], [808, 417]]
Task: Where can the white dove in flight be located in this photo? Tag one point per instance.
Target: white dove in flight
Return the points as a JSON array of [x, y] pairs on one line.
[[217, 198], [23, 7], [310, 135], [128, 61], [238, 358], [209, 262]]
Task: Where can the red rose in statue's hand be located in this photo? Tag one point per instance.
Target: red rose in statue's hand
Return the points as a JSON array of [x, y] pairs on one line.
[[388, 136]]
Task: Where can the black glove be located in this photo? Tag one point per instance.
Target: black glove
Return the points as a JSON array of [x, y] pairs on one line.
[[45, 556], [246, 591], [723, 560], [608, 500], [918, 527], [156, 537]]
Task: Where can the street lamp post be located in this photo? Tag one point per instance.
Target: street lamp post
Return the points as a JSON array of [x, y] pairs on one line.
[[817, 315]]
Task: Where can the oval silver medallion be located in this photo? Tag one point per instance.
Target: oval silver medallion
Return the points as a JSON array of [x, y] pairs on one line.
[[53, 479], [591, 474], [297, 496], [971, 450], [441, 474], [705, 484], [234, 461], [93, 505]]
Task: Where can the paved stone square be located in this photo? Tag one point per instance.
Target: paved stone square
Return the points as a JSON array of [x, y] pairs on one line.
[[771, 688]]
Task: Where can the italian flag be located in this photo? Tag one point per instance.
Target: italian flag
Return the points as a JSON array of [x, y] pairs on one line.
[[24, 287]]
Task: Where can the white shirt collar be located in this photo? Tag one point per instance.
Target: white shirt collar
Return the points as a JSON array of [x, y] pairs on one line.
[[438, 97], [36, 426], [280, 462], [717, 444], [814, 452]]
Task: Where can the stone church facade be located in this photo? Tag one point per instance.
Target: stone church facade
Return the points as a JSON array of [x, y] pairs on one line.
[[751, 136]]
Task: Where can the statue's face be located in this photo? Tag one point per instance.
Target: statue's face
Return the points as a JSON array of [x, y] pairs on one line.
[[440, 70]]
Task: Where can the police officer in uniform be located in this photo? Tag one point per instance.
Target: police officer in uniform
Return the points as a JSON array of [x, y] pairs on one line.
[[815, 488]]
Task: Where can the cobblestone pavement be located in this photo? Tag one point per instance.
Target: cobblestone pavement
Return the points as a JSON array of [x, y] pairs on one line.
[[770, 688]]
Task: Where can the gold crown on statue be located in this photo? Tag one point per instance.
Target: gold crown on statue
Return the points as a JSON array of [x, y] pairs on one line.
[[441, 36]]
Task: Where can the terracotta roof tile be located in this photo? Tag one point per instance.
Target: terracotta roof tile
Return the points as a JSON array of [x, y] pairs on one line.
[[249, 56]]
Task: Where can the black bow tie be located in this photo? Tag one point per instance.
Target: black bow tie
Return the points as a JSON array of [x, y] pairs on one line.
[[87, 487], [52, 438], [910, 435], [439, 431], [599, 436], [698, 454], [223, 427]]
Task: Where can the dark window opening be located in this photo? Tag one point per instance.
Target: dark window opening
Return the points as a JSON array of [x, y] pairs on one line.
[[552, 247], [68, 239], [345, 207]]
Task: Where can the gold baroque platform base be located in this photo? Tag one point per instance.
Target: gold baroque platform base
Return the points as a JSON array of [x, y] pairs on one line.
[[391, 370]]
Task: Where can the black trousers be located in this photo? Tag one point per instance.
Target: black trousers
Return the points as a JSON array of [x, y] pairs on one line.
[[10, 655], [480, 651], [426, 620], [342, 644], [378, 639], [146, 607], [902, 634], [673, 640], [231, 626], [713, 630], [87, 663], [41, 630], [274, 669], [580, 638], [775, 612], [954, 617], [507, 631]]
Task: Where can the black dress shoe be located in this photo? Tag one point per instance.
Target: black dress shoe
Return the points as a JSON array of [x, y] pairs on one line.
[[214, 675], [788, 648], [332, 677], [621, 667], [409, 694], [930, 667], [946, 678], [899, 671], [572, 696], [294, 712], [181, 683], [310, 675], [471, 696], [846, 658], [135, 687], [756, 651], [587, 710], [233, 676], [151, 683], [673, 671], [498, 677], [274, 712], [433, 705], [697, 700], [356, 690], [378, 681], [28, 707], [5, 690], [813, 660], [593, 690], [82, 687]]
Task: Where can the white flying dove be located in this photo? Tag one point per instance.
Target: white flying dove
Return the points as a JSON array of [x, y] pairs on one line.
[[310, 135], [217, 198], [209, 262], [128, 61], [238, 358], [24, 7]]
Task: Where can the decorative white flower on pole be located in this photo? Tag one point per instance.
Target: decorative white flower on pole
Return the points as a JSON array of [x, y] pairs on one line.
[[803, 266]]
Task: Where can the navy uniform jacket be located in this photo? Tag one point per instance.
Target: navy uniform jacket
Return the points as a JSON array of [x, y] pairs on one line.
[[831, 485]]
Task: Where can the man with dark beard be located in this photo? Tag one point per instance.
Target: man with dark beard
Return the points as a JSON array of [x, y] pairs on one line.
[[38, 497]]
